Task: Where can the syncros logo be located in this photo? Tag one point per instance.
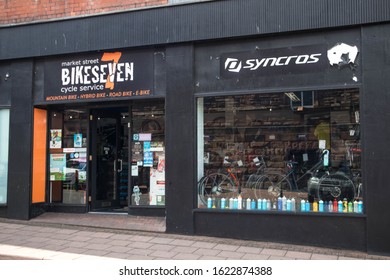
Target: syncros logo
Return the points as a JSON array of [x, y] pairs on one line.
[[252, 64], [273, 62], [233, 64], [94, 73]]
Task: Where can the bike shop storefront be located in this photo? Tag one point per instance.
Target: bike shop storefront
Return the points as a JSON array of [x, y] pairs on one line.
[[279, 140], [105, 134]]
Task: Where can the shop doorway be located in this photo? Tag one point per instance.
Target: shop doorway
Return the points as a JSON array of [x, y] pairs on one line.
[[109, 146], [127, 164]]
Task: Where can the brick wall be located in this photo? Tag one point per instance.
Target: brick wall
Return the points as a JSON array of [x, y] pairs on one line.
[[21, 11]]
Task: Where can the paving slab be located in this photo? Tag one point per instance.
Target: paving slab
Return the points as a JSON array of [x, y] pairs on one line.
[[96, 236]]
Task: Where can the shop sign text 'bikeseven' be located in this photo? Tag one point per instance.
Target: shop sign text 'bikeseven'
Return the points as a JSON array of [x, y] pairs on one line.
[[99, 76]]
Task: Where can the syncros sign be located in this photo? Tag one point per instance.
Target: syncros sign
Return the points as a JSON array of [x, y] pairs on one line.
[[100, 76], [293, 60]]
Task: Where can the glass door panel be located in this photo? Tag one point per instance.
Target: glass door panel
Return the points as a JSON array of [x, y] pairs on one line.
[[110, 157], [148, 154]]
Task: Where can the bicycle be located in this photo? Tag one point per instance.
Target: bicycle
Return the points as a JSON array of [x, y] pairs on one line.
[[218, 183], [253, 178], [277, 182], [274, 181], [336, 185]]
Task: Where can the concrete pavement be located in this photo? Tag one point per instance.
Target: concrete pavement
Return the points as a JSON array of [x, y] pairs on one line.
[[54, 236]]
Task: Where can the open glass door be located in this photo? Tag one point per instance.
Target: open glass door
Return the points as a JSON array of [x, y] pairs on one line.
[[109, 153]]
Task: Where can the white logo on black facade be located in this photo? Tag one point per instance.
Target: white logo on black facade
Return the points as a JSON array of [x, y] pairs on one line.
[[342, 55], [233, 65], [301, 59], [286, 61]]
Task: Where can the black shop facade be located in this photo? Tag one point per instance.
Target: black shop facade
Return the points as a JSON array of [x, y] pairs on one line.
[[274, 137], [269, 138]]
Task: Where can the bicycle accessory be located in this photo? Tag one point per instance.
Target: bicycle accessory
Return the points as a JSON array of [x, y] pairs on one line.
[[268, 204], [235, 203], [307, 206], [259, 204], [330, 206], [264, 204], [335, 206], [248, 203], [315, 206], [321, 206], [239, 202], [284, 203], [280, 202], [345, 205], [326, 157], [231, 203], [355, 206], [253, 204], [360, 206], [288, 206], [303, 205], [209, 202], [293, 207], [223, 203], [340, 206], [350, 207]]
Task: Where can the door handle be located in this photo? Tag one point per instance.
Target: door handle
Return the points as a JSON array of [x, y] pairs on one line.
[[121, 166]]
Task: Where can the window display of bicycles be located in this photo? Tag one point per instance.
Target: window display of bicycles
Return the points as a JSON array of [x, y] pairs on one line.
[[299, 146]]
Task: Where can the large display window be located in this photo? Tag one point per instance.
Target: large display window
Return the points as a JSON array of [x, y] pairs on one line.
[[68, 156], [4, 144], [297, 151]]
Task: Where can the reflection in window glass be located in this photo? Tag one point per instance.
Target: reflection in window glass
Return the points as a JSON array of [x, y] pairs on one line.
[[290, 151], [4, 140], [68, 156]]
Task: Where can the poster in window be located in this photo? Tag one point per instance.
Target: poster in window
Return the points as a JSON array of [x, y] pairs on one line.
[[157, 146], [147, 146], [55, 138], [145, 136], [78, 140], [148, 159], [137, 153], [57, 166], [157, 182]]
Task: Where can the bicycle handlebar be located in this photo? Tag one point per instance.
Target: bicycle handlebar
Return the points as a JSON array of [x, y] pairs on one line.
[[234, 163]]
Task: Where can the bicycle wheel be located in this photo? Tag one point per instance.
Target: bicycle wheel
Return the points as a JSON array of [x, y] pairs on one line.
[[261, 184], [274, 183], [253, 184], [336, 186], [201, 190], [216, 185]]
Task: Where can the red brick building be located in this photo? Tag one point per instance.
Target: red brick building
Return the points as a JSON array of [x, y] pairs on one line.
[[22, 11]]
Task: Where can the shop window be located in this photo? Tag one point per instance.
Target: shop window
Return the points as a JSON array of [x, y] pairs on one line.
[[4, 144], [148, 155], [68, 156], [290, 151]]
